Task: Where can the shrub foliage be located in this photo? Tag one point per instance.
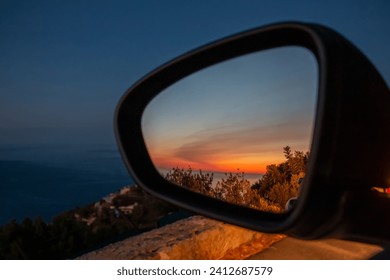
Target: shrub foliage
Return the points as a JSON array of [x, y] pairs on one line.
[[279, 183]]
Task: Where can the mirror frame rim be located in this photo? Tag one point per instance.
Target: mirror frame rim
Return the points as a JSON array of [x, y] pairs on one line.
[[314, 216]]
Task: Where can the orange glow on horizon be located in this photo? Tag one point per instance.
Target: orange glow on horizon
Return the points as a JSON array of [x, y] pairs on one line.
[[249, 167]]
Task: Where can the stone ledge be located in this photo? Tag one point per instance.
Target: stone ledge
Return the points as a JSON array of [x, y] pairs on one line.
[[193, 238]]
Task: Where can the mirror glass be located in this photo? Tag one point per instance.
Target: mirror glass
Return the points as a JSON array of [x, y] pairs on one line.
[[239, 130]]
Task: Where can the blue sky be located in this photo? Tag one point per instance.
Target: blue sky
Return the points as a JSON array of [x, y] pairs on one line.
[[65, 64]]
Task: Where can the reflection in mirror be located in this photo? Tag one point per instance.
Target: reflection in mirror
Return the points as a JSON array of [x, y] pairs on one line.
[[239, 130]]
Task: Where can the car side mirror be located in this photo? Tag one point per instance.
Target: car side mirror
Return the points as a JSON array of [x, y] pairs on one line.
[[242, 103]]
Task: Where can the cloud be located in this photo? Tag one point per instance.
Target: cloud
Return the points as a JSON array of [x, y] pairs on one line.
[[248, 142]]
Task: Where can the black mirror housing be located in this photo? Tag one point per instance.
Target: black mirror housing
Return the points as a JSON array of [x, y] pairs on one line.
[[349, 153]]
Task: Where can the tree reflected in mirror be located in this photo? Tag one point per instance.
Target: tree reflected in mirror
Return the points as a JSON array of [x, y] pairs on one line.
[[272, 192]]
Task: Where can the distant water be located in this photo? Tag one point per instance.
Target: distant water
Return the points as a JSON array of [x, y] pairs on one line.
[[218, 176], [43, 182]]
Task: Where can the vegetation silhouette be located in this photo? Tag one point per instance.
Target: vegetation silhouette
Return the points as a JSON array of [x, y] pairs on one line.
[[86, 228], [270, 193], [83, 229]]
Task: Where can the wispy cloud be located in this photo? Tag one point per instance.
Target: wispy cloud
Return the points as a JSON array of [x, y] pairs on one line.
[[235, 146]]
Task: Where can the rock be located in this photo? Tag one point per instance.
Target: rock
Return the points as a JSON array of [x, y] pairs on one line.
[[193, 238]]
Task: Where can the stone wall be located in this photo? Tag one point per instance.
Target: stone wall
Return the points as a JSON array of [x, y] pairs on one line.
[[193, 238]]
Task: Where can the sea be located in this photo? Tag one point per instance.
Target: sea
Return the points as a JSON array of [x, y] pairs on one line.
[[42, 182], [46, 181]]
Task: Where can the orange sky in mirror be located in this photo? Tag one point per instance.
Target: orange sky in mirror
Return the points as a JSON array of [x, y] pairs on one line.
[[238, 114], [227, 164], [250, 149]]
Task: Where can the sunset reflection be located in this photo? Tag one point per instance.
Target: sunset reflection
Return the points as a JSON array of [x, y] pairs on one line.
[[236, 115]]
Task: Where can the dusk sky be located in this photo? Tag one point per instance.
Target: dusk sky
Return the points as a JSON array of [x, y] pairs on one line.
[[65, 64], [237, 114]]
